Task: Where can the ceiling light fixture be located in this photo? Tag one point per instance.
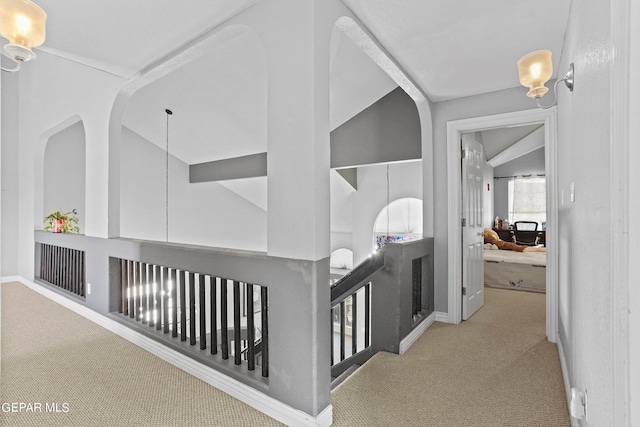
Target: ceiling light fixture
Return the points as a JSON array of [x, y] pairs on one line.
[[535, 69], [23, 23]]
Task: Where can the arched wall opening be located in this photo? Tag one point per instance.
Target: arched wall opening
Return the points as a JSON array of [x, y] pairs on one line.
[[366, 81], [217, 93], [400, 220], [64, 172]]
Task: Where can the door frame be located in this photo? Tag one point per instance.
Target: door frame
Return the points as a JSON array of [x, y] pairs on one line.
[[455, 128]]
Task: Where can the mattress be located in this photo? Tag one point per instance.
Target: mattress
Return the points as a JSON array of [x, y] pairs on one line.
[[515, 270]]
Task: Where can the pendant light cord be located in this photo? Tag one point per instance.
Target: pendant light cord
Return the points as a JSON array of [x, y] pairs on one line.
[[166, 185], [387, 202]]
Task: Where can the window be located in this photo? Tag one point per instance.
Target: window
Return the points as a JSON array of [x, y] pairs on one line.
[[527, 199]]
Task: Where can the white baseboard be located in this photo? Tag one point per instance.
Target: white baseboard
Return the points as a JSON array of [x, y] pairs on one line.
[[252, 397], [416, 333], [442, 317], [565, 378]]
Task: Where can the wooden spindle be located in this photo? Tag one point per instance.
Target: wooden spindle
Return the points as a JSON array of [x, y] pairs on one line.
[[251, 333], [265, 330], [237, 344], [203, 307], [192, 309]]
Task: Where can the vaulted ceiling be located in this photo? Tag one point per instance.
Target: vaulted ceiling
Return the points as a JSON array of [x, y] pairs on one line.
[[450, 48]]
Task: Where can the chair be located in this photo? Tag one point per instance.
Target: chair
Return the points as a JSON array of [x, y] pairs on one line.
[[525, 225], [526, 233]]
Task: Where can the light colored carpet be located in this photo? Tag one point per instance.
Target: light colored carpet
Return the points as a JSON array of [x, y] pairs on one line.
[[51, 355], [496, 369]]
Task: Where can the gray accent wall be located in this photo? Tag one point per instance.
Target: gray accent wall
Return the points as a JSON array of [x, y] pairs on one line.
[[250, 166], [387, 131]]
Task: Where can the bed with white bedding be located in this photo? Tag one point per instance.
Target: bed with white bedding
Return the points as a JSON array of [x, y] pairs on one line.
[[515, 270]]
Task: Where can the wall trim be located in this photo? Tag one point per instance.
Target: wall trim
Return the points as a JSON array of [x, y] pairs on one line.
[[565, 378], [441, 316], [252, 397], [454, 270], [416, 333]]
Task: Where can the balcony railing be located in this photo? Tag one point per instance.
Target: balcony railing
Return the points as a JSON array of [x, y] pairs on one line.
[[63, 268], [224, 318], [380, 302]]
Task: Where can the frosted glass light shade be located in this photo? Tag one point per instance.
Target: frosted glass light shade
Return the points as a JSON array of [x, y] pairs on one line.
[[23, 23], [534, 70]]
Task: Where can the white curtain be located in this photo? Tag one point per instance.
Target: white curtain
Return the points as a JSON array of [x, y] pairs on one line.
[[527, 199]]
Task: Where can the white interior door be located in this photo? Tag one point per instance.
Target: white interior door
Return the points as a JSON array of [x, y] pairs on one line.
[[472, 240]]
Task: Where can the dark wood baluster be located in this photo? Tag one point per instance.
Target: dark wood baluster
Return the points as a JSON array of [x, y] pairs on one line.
[[63, 260], [367, 317], [183, 306], [73, 268], [203, 308], [224, 336], [120, 281], [237, 344], [333, 311], [165, 299], [40, 246], [144, 294], [81, 270], [213, 290], [265, 331], [354, 323], [174, 302], [124, 279], [192, 309], [343, 328], [130, 290], [251, 333], [154, 274]]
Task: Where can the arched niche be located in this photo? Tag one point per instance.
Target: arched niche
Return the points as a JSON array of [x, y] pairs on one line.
[[400, 220], [342, 258], [64, 172]]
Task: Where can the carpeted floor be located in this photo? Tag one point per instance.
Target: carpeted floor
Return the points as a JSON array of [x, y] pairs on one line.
[[497, 369], [92, 377]]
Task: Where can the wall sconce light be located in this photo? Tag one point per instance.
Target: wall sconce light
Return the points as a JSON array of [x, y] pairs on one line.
[[535, 69], [23, 23]]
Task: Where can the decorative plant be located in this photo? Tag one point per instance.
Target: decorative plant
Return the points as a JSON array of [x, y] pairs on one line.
[[62, 222]]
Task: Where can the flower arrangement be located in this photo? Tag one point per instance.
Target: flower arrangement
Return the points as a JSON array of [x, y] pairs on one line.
[[62, 222]]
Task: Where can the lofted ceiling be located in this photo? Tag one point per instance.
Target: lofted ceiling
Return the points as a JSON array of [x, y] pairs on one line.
[[449, 48]]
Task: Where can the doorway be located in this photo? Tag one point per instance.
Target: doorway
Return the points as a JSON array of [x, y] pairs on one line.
[[454, 131]]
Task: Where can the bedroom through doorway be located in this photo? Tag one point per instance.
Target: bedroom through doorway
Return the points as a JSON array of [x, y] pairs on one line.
[[519, 149]]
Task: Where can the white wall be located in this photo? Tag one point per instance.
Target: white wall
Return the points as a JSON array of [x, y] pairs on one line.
[[405, 180], [9, 179], [634, 212], [64, 173], [205, 214], [585, 317]]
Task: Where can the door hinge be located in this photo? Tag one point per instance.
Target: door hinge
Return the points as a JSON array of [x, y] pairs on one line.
[[464, 291], [464, 222], [463, 154]]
